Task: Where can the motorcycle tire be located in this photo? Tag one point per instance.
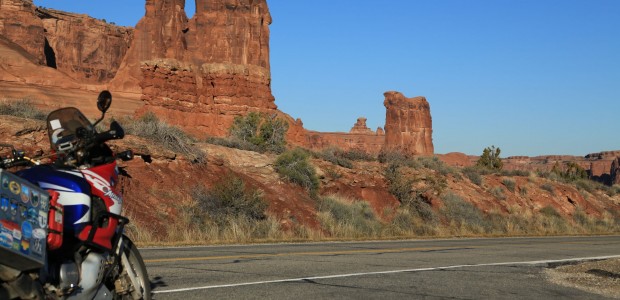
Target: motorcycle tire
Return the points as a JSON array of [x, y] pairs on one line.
[[132, 262]]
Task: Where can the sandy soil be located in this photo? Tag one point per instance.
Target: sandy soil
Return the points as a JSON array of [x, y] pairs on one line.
[[600, 277]]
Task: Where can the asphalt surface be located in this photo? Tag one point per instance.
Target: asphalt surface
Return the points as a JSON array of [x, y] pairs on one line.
[[494, 268]]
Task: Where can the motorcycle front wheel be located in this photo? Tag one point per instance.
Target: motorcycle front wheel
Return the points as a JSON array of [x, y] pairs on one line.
[[133, 273]]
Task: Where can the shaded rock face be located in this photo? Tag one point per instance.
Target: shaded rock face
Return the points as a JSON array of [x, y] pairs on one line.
[[86, 49], [408, 124], [159, 34], [19, 25], [615, 171]]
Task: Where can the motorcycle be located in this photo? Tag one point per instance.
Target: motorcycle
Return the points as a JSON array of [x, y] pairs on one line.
[[61, 228]]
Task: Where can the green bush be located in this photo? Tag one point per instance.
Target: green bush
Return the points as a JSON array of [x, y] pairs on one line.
[[169, 137], [294, 166], [267, 133], [23, 108], [229, 199]]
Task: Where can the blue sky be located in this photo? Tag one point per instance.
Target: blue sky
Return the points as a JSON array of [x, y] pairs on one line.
[[532, 77]]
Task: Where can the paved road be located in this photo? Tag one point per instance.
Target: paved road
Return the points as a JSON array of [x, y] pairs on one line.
[[504, 268]]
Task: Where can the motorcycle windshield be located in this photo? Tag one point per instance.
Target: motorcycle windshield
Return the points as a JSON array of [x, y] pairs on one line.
[[65, 122]]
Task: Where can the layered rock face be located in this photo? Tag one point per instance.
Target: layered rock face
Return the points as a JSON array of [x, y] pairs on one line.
[[204, 71], [408, 124], [84, 48], [18, 25], [160, 34], [204, 100]]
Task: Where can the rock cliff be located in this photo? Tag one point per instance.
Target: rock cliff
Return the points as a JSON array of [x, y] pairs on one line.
[[408, 124], [86, 49], [19, 25], [615, 171]]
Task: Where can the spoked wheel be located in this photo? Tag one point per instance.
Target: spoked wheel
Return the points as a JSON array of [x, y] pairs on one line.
[[133, 281]]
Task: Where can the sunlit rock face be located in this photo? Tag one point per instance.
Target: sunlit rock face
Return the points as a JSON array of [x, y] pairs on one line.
[[408, 124]]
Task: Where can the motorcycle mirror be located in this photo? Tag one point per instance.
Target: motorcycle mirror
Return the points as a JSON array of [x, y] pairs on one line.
[[117, 130], [104, 101]]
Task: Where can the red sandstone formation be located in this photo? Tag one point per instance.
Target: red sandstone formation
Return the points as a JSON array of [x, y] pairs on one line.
[[159, 34], [615, 171], [202, 72], [83, 48], [86, 49], [360, 127], [18, 25], [408, 124]]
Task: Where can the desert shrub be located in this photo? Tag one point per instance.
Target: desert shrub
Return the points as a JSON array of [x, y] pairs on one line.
[[614, 190], [22, 108], [267, 133], [490, 159], [294, 166], [334, 155], [549, 211], [396, 157], [570, 172], [552, 221], [401, 187], [172, 138], [509, 183], [463, 214], [473, 174], [512, 173], [343, 218], [523, 191], [232, 143], [229, 198], [548, 187], [358, 154], [498, 192], [434, 163]]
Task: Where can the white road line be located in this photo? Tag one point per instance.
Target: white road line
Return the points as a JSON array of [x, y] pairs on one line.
[[535, 262]]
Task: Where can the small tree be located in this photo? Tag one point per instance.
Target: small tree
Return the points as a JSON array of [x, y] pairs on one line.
[[267, 133], [490, 159]]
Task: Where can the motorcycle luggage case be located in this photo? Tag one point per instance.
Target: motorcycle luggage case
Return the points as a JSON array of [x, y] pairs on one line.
[[23, 222]]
